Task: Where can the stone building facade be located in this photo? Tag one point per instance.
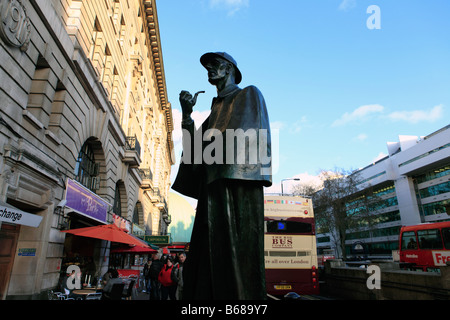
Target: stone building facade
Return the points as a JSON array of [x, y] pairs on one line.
[[83, 102]]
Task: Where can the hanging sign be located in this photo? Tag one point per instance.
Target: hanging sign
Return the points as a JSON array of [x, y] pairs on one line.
[[158, 240], [85, 202], [10, 214]]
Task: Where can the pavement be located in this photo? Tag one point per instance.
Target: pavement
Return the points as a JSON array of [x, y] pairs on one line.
[[140, 295]]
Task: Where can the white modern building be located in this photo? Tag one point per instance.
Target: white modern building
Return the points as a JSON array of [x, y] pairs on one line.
[[413, 182]]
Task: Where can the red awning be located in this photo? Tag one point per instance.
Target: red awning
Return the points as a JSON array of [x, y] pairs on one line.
[[176, 247], [108, 232], [135, 249]]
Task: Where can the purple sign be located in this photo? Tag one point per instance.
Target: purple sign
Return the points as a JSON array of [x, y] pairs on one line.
[[85, 202]]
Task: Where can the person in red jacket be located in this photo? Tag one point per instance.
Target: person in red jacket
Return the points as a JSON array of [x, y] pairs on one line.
[[167, 277]]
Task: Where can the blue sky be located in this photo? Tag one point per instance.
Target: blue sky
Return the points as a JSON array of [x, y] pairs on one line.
[[335, 90]]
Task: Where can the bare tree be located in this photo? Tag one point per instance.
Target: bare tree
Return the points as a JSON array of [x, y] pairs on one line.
[[341, 206], [305, 189]]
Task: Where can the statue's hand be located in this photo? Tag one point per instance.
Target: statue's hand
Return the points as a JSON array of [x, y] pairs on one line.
[[187, 102]]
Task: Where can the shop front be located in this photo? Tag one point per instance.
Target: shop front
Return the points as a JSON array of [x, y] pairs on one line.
[[86, 255], [11, 219], [130, 260]]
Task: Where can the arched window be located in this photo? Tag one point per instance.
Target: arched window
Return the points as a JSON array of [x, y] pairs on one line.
[[117, 202], [136, 215], [86, 170]]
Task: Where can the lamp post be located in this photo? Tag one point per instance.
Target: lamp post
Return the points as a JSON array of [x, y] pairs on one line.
[[295, 179]]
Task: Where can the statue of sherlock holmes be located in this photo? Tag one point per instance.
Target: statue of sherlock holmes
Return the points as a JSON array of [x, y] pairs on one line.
[[225, 165]]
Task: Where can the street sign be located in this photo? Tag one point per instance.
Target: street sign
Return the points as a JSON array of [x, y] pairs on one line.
[[158, 240]]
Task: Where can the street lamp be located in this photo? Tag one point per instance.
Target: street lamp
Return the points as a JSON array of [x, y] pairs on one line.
[[295, 179]]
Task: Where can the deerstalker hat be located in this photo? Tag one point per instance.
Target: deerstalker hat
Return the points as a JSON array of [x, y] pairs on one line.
[[207, 56]]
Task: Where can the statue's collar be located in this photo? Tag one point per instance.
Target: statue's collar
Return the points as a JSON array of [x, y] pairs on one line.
[[227, 91]]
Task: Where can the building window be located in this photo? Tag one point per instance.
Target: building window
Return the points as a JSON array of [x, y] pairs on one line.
[[387, 217], [435, 190], [96, 54], [438, 207], [136, 215], [86, 170], [117, 202], [434, 174]]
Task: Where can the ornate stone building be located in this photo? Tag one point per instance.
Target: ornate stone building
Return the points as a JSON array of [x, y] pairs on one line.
[[85, 134]]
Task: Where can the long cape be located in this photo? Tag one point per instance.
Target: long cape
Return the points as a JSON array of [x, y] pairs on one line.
[[216, 150]]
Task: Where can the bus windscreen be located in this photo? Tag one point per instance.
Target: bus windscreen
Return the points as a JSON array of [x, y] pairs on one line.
[[283, 226]]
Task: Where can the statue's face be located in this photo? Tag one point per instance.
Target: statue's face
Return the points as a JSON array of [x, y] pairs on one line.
[[218, 70]]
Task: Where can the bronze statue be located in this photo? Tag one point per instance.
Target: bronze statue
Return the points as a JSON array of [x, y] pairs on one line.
[[225, 165]]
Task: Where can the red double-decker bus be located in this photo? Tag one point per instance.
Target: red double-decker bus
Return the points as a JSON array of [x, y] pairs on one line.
[[290, 246], [425, 246]]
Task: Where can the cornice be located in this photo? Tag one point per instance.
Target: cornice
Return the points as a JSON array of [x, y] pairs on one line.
[[152, 24], [151, 18]]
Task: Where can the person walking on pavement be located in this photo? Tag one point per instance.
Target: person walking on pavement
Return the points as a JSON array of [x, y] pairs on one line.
[[168, 277], [146, 272], [180, 264], [155, 269]]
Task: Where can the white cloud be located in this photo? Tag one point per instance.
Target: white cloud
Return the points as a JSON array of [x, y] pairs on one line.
[[360, 114], [298, 125], [277, 125], [305, 178], [417, 116], [294, 127], [361, 137], [231, 5], [347, 5], [200, 116], [365, 113]]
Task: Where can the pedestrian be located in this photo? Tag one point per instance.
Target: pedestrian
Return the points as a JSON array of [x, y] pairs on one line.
[[180, 265], [168, 277], [147, 285], [155, 269]]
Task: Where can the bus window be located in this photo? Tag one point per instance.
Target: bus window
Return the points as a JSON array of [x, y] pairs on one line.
[[282, 253], [429, 239], [288, 227], [446, 236], [409, 240]]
